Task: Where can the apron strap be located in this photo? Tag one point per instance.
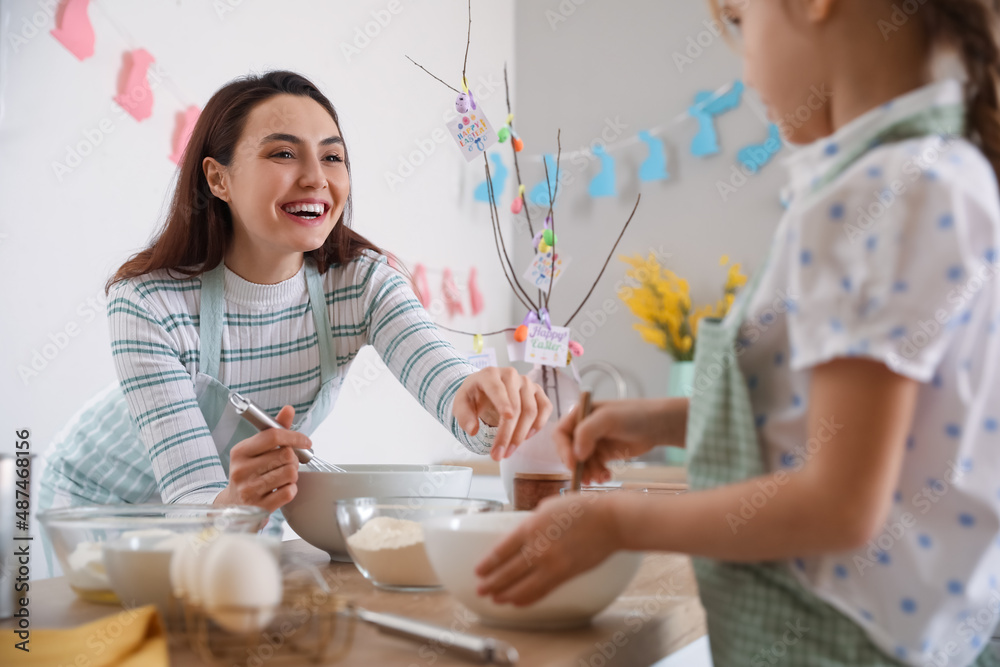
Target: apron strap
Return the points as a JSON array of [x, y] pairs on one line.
[[746, 295], [211, 319], [324, 335]]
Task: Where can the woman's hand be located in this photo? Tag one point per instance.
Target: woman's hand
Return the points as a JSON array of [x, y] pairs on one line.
[[619, 430], [563, 537], [263, 469], [501, 396]]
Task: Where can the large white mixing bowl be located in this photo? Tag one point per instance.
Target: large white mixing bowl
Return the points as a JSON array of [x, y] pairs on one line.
[[455, 544], [312, 514]]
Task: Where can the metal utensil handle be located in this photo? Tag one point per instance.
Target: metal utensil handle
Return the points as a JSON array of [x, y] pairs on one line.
[[484, 650], [262, 421]]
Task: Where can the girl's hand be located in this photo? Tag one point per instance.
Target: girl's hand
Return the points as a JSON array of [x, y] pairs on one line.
[[501, 396], [617, 430], [563, 537], [263, 469]]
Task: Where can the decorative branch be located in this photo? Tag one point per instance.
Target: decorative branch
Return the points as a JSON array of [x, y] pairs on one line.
[[610, 254], [498, 236], [551, 215], [517, 168], [468, 38], [428, 71]]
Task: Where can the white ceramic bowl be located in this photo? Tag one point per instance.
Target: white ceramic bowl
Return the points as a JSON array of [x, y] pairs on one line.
[[312, 514], [456, 544]]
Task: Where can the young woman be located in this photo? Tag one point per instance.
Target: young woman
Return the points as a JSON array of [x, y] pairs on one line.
[[257, 284], [844, 427]]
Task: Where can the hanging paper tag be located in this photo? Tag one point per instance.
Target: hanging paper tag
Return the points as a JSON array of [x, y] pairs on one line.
[[515, 350], [538, 274], [548, 347], [473, 133], [484, 359]]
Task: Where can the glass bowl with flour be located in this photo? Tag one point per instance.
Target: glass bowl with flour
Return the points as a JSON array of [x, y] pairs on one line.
[[385, 537]]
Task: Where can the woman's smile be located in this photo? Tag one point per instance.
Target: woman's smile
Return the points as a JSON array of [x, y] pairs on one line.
[[309, 212]]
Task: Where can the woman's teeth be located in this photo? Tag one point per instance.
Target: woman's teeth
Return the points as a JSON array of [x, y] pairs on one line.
[[307, 211]]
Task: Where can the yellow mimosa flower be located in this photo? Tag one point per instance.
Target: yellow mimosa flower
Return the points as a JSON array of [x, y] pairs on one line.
[[662, 301]]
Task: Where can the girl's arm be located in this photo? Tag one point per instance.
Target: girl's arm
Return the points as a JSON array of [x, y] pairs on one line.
[[617, 430], [859, 417], [837, 499]]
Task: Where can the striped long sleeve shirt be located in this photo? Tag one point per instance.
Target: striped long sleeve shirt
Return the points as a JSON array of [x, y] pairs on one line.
[[270, 353]]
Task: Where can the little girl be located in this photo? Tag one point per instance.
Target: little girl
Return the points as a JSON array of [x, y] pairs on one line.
[[258, 285], [844, 424]]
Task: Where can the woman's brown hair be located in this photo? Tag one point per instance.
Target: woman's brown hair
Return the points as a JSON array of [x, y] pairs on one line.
[[198, 227]]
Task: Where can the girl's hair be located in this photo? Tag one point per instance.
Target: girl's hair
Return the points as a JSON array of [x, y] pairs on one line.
[[970, 27], [199, 226]]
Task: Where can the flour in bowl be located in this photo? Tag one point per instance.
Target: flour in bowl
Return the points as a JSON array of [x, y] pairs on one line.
[[392, 552]]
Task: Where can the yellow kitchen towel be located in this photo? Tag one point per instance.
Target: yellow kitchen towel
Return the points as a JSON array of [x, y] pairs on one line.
[[130, 638]]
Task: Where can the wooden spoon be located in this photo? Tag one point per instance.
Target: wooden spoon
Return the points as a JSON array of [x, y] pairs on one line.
[[582, 412]]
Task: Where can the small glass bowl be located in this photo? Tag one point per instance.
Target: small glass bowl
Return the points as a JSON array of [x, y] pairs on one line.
[[140, 537], [391, 554]]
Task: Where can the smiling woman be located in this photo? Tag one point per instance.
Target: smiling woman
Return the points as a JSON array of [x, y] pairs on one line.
[[257, 284]]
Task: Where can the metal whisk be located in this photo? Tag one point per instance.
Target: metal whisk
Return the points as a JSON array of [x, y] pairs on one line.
[[263, 421]]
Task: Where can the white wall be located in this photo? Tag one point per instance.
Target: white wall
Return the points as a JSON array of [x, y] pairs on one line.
[[60, 239], [581, 63]]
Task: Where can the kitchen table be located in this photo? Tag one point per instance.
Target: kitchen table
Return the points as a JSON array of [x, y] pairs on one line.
[[657, 615]]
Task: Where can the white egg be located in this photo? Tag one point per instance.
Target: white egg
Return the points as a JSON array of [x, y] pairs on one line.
[[185, 566], [241, 583], [179, 564], [87, 569]]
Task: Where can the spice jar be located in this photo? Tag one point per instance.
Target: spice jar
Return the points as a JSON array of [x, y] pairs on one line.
[[531, 488], [538, 454]]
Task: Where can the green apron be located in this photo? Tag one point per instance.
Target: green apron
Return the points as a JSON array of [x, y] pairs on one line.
[[757, 612], [105, 431]]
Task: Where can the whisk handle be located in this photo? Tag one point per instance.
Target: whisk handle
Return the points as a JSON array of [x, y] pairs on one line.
[[262, 421]]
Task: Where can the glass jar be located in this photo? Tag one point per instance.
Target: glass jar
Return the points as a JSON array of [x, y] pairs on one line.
[[537, 455]]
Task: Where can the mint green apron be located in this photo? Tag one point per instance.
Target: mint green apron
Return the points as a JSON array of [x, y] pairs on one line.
[[753, 608], [100, 457]]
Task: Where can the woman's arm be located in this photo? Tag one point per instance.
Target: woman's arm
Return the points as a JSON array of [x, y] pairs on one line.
[[859, 417], [433, 372], [161, 398]]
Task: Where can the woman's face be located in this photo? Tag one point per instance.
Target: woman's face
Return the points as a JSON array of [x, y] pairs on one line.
[[287, 182]]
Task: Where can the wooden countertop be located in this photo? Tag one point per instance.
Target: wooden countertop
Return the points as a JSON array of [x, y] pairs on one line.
[[657, 615]]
